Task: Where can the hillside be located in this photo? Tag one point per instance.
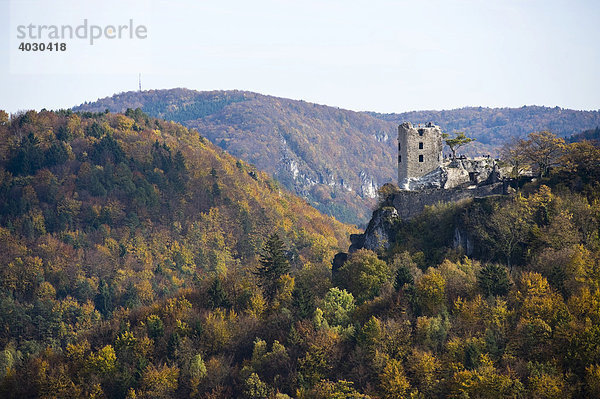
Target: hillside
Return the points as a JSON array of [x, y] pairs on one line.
[[492, 127], [590, 134], [334, 158], [140, 261], [101, 214]]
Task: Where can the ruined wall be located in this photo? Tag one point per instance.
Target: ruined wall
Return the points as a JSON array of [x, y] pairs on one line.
[[419, 150], [411, 203]]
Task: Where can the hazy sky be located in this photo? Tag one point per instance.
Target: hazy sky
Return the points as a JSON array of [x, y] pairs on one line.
[[387, 56]]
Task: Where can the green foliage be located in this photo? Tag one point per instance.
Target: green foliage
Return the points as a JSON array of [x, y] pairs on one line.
[[493, 280], [197, 368], [133, 279], [274, 264], [403, 276], [155, 326], [456, 142], [363, 275], [338, 306], [217, 295], [28, 156]]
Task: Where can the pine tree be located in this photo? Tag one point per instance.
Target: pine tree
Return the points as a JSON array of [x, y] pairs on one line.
[[217, 295], [274, 264], [103, 300], [493, 280]]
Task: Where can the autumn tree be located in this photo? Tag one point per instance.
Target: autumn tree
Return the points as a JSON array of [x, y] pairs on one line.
[[159, 382], [333, 390], [583, 158], [363, 274], [513, 153], [394, 383], [544, 151], [430, 289], [505, 229], [3, 118]]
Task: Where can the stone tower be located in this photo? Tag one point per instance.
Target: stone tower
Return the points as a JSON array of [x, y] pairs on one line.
[[419, 150]]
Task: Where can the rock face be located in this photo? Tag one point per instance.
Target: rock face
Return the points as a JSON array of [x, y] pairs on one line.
[[462, 239], [380, 232], [368, 187], [457, 172]]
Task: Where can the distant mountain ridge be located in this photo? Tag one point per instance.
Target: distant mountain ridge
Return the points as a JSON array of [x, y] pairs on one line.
[[334, 158], [492, 126]]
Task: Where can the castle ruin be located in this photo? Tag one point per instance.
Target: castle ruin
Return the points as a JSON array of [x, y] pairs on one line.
[[422, 165], [426, 178], [419, 150]]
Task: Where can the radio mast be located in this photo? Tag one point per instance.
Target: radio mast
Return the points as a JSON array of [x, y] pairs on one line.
[[140, 81]]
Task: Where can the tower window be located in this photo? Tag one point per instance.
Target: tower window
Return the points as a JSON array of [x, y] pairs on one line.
[[421, 131], [399, 158], [399, 146], [420, 158], [421, 145]]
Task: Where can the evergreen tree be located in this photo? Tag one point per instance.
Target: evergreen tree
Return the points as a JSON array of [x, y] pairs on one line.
[[274, 264], [459, 140], [403, 276], [493, 280], [103, 300], [217, 295]]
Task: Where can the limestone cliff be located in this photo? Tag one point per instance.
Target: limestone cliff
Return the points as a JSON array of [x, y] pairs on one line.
[[380, 231]]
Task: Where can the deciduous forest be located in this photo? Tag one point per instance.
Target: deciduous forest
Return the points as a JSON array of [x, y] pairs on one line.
[[140, 261]]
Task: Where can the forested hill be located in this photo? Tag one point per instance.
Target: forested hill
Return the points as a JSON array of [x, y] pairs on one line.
[[334, 158], [137, 260], [87, 179], [491, 127], [590, 134], [104, 213]]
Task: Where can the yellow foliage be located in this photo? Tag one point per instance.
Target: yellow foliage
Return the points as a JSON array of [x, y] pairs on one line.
[[592, 379], [124, 123], [431, 291], [103, 361], [257, 305], [159, 382], [394, 384]]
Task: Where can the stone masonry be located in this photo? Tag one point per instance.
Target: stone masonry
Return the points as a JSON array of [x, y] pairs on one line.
[[419, 150]]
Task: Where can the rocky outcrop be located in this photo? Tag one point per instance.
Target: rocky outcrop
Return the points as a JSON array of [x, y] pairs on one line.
[[380, 232], [455, 173], [462, 239], [368, 186], [432, 180]]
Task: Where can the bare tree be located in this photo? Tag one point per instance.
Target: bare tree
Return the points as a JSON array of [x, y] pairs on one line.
[[513, 153], [544, 150]]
